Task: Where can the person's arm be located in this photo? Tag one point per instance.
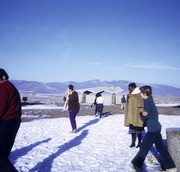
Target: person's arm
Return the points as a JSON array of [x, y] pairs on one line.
[[146, 113], [3, 101]]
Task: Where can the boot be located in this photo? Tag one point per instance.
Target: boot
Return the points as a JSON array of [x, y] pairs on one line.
[[139, 139], [133, 140]]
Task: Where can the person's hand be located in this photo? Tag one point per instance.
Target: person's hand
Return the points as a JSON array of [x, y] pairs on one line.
[[128, 96], [68, 92], [144, 113]]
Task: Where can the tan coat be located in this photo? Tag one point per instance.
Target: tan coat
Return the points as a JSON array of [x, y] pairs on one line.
[[134, 106]]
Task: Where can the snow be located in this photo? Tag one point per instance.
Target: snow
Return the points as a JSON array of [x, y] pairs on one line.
[[101, 145], [168, 105], [51, 106], [41, 106]]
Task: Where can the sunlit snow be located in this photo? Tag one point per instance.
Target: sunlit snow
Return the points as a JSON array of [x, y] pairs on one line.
[[101, 145]]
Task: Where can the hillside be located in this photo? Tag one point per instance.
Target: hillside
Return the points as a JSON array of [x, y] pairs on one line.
[[59, 88]]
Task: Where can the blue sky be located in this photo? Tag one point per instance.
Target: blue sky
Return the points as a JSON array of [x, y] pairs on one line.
[[79, 40]]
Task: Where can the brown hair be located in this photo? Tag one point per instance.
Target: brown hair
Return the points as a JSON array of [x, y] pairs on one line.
[[146, 90]]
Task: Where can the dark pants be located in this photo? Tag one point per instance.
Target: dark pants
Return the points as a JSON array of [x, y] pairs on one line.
[[72, 117], [8, 131], [99, 108], [150, 138]]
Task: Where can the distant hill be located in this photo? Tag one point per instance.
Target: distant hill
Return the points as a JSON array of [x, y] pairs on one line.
[[59, 88]]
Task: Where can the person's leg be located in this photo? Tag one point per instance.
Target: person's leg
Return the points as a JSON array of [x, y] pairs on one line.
[[101, 110], [122, 106], [72, 117], [96, 110], [146, 144], [8, 131], [139, 139], [133, 136], [161, 148]]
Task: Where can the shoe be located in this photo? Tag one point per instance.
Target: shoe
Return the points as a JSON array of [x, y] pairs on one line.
[[97, 114], [133, 168], [74, 131], [138, 146], [132, 145], [171, 170]]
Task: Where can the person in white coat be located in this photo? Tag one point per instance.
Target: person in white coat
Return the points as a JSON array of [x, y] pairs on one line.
[[99, 105]]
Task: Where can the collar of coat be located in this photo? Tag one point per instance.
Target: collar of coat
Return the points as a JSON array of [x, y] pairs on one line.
[[136, 91]]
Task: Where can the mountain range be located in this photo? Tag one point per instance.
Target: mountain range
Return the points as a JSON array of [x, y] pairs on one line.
[[35, 87]]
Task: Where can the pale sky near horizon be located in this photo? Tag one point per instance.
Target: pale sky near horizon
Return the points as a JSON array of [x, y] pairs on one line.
[[80, 40]]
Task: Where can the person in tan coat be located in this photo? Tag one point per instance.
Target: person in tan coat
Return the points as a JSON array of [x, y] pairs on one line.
[[134, 106]]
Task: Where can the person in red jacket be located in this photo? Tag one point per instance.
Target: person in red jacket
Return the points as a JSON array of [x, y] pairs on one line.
[[10, 119]]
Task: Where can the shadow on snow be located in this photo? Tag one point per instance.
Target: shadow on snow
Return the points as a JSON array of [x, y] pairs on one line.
[[46, 164], [23, 151], [88, 124]]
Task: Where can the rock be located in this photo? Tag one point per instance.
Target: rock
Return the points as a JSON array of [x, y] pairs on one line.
[[173, 140]]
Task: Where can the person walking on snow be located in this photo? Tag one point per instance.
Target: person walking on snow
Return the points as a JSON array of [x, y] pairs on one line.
[[99, 105], [153, 136], [72, 105]]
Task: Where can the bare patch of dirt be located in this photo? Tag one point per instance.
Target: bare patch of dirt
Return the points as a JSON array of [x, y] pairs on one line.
[[34, 114]]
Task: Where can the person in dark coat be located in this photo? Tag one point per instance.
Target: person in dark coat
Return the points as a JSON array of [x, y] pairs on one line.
[[123, 101], [72, 105], [10, 119], [153, 136]]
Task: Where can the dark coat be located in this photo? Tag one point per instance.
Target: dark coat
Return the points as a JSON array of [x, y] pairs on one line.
[[73, 101]]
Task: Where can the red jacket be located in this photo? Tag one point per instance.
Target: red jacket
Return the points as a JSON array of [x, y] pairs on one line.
[[10, 102]]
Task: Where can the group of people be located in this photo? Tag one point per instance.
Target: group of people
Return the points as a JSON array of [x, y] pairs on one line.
[[140, 112]]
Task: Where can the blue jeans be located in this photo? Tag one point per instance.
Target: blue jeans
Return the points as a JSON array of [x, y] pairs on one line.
[[150, 138]]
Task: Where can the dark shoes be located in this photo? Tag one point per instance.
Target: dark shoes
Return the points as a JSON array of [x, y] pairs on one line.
[[132, 145], [138, 145], [134, 168]]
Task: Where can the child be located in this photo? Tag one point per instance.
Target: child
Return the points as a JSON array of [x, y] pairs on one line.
[[150, 117]]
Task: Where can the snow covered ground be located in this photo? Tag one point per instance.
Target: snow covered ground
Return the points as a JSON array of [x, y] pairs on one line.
[[101, 145], [168, 105], [41, 106]]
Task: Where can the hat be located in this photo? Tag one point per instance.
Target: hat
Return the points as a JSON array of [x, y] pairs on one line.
[[71, 87]]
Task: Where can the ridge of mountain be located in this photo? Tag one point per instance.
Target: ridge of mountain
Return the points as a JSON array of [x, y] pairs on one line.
[[35, 87]]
